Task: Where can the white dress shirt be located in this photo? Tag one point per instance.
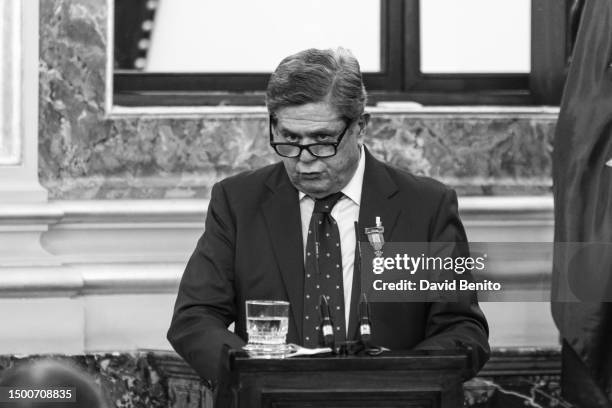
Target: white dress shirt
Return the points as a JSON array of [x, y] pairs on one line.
[[346, 213]]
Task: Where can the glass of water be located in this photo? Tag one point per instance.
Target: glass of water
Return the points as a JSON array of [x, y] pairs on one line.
[[267, 326]]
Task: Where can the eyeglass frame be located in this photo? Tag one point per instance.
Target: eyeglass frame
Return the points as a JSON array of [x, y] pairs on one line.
[[335, 144]]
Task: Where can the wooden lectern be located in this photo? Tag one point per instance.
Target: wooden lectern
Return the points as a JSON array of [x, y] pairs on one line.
[[410, 379]]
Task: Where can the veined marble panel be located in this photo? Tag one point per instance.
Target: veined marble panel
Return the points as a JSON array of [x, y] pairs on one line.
[[478, 156], [137, 379], [83, 154]]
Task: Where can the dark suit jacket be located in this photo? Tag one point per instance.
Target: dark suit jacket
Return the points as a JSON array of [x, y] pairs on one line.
[[252, 249]]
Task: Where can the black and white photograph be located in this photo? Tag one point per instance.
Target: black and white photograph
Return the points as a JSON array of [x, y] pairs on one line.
[[306, 203]]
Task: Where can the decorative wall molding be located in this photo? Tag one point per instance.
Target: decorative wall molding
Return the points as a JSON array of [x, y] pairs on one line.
[[539, 207], [141, 246], [159, 211], [112, 270], [90, 279], [382, 108]]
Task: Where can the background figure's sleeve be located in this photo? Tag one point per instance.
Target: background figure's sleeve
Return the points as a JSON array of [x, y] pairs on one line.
[[581, 290], [205, 305], [461, 323]]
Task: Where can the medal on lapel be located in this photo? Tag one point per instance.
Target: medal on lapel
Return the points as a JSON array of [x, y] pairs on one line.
[[376, 238]]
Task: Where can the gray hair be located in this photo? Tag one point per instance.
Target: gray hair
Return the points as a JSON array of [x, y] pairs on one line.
[[315, 75]]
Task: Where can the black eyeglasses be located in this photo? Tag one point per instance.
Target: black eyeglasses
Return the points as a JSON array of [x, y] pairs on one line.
[[320, 150]]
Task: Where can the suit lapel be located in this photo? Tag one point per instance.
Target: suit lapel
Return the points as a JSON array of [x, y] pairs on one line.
[[282, 214], [378, 199]]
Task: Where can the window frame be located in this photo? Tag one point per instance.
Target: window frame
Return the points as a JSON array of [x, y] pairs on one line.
[[400, 78]]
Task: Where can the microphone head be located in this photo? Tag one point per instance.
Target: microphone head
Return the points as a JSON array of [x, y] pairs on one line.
[[324, 308]]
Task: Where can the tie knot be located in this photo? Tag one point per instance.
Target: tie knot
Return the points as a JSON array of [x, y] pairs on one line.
[[326, 204]]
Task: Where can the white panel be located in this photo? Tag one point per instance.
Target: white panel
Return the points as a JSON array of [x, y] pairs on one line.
[[19, 42], [44, 325], [515, 324], [475, 36], [10, 82], [254, 36], [127, 322]]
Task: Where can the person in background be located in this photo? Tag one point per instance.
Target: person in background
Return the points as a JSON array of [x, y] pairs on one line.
[[582, 182], [49, 375]]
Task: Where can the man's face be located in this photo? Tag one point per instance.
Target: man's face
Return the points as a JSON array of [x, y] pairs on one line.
[[314, 123]]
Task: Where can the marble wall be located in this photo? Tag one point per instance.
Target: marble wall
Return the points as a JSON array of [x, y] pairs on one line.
[[85, 155], [128, 380], [160, 379]]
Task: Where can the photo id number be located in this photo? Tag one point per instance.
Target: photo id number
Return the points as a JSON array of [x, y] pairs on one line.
[[62, 394]]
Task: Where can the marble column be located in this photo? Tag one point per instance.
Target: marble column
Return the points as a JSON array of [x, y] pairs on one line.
[[23, 201]]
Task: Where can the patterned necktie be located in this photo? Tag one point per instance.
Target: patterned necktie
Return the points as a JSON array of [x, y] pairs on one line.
[[323, 272]]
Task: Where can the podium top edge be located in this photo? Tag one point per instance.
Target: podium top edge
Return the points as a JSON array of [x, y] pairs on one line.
[[410, 361]]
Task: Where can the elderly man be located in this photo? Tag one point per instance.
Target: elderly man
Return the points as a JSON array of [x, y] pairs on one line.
[[258, 241]]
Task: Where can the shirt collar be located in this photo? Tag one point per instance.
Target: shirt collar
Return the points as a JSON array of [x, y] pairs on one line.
[[353, 189]]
